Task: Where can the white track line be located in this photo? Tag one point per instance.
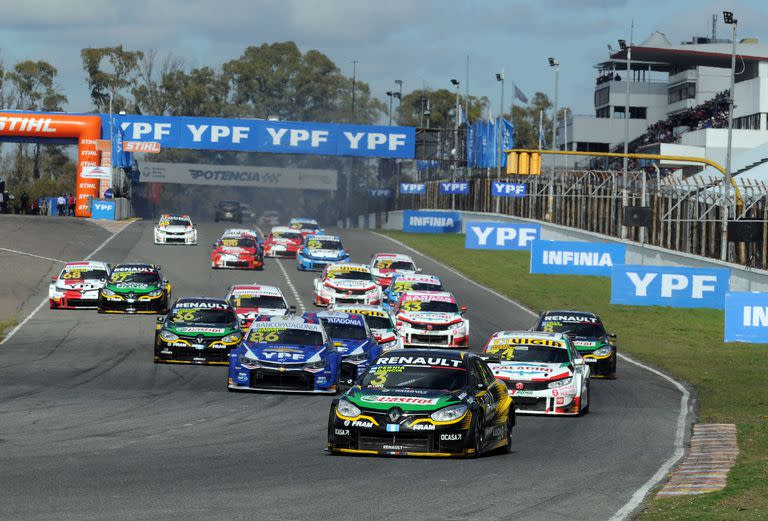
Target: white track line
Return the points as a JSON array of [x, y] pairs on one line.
[[45, 300], [287, 278], [31, 255], [682, 419]]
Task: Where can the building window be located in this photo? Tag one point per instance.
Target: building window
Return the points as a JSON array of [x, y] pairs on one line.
[[618, 112], [604, 112], [601, 97], [637, 112], [751, 122], [681, 91]]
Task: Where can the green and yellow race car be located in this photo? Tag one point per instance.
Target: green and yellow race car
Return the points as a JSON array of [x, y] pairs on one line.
[[135, 288]]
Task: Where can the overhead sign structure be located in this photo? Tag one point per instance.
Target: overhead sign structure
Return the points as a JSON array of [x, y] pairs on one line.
[[671, 286], [423, 221], [509, 189], [577, 258], [500, 235], [457, 188], [413, 188], [280, 137], [746, 317], [255, 176]]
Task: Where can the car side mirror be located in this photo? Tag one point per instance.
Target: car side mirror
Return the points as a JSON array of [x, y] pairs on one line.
[[160, 320], [418, 270], [165, 281], [293, 309], [398, 323], [480, 386], [578, 361], [612, 336], [54, 278], [463, 309], [492, 358]]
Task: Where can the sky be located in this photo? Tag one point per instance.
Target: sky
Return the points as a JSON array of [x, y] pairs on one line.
[[421, 42]]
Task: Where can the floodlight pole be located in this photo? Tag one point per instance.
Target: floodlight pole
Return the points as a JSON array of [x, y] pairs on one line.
[[551, 188], [457, 83], [730, 20], [499, 137], [624, 175]]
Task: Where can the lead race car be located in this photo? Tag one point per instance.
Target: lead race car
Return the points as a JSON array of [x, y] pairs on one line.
[[252, 301], [238, 248], [543, 372], [135, 288], [418, 402], [319, 251], [198, 330], [385, 265], [175, 229], [431, 319], [380, 321], [283, 241], [287, 354], [588, 335], [346, 283], [78, 284]]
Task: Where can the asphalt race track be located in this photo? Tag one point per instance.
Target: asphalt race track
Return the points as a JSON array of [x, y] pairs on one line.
[[91, 428]]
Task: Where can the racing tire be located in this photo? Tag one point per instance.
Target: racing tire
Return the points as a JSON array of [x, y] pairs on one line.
[[585, 410], [510, 427], [479, 436], [612, 374]]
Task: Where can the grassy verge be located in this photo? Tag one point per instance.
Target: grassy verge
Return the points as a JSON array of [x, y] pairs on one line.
[[730, 380], [5, 325]]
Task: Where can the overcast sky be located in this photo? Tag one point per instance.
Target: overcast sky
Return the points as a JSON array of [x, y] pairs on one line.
[[422, 42]]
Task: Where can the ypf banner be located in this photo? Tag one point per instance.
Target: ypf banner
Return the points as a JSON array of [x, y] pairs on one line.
[[509, 189], [280, 137], [500, 235], [746, 317], [677, 287], [413, 188], [578, 258], [458, 188]]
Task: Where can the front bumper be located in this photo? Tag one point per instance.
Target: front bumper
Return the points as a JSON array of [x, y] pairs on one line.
[[412, 337], [237, 262], [551, 402], [281, 251], [281, 379], [176, 238], [601, 366], [331, 299], [186, 351], [74, 300], [309, 264], [140, 305]]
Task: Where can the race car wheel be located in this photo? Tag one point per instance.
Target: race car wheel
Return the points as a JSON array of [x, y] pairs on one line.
[[585, 398], [479, 435], [612, 373], [510, 425]]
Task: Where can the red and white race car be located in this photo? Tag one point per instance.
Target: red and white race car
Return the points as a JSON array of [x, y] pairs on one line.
[[78, 285], [283, 241], [305, 226], [238, 248], [253, 300], [431, 319], [385, 265], [346, 283]]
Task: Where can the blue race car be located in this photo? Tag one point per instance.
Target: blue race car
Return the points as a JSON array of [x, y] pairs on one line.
[[289, 354], [402, 283], [319, 250], [354, 340]]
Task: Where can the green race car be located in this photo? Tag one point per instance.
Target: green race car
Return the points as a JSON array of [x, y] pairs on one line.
[[135, 288]]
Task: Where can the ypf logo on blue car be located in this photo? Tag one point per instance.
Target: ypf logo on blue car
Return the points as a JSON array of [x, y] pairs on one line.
[[677, 287], [500, 236]]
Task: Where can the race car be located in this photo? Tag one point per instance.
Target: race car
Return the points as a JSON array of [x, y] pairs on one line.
[[238, 249], [283, 241], [543, 372], [289, 354], [416, 282], [431, 319], [269, 218], [352, 338], [252, 301], [78, 284], [135, 288], [175, 229], [422, 402], [588, 335], [305, 226], [380, 321], [248, 214], [385, 265], [228, 211], [198, 330], [346, 283], [319, 250]]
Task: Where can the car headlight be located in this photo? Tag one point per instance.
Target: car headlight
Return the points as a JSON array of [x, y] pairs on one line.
[[346, 408], [249, 362], [107, 292], [603, 351], [168, 336], [452, 412], [361, 357], [389, 345], [320, 364], [560, 383], [457, 325], [155, 293], [234, 337]]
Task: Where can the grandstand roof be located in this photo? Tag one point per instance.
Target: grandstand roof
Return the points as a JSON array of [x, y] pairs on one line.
[[658, 49]]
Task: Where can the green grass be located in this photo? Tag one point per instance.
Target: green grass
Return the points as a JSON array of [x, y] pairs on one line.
[[6, 325], [729, 380]]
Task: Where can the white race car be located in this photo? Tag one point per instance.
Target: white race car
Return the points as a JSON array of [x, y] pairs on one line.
[[385, 265], [346, 283], [78, 285], [175, 229], [431, 319], [253, 300], [544, 372], [380, 322]]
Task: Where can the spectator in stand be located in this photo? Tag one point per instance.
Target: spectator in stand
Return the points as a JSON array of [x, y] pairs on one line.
[[108, 193], [61, 205]]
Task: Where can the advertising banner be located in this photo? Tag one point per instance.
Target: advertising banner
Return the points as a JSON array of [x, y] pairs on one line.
[[222, 175], [676, 287], [413, 188], [577, 258], [277, 137], [746, 317], [509, 189], [421, 221], [101, 209], [500, 235], [459, 188], [380, 193], [97, 172]]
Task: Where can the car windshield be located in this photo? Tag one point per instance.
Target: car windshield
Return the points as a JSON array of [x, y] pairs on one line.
[[389, 264], [202, 316], [135, 277], [229, 205], [345, 331], [286, 235], [238, 242], [349, 275], [429, 306], [523, 353], [174, 221], [574, 329], [323, 244], [258, 301], [83, 274], [378, 322], [415, 377], [285, 335], [403, 286]]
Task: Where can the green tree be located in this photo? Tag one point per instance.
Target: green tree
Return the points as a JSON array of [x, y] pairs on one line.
[[110, 72], [442, 105]]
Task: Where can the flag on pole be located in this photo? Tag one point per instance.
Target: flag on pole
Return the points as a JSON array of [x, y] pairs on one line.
[[519, 94]]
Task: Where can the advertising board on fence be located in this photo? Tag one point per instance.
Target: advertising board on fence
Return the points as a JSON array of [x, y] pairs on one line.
[[678, 287], [413, 188], [508, 189], [380, 193], [578, 258], [459, 188], [746, 317], [500, 235], [421, 221]]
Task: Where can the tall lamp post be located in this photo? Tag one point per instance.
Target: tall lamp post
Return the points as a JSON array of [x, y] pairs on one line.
[[500, 79], [555, 64], [391, 95], [730, 20], [456, 83], [624, 192]]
